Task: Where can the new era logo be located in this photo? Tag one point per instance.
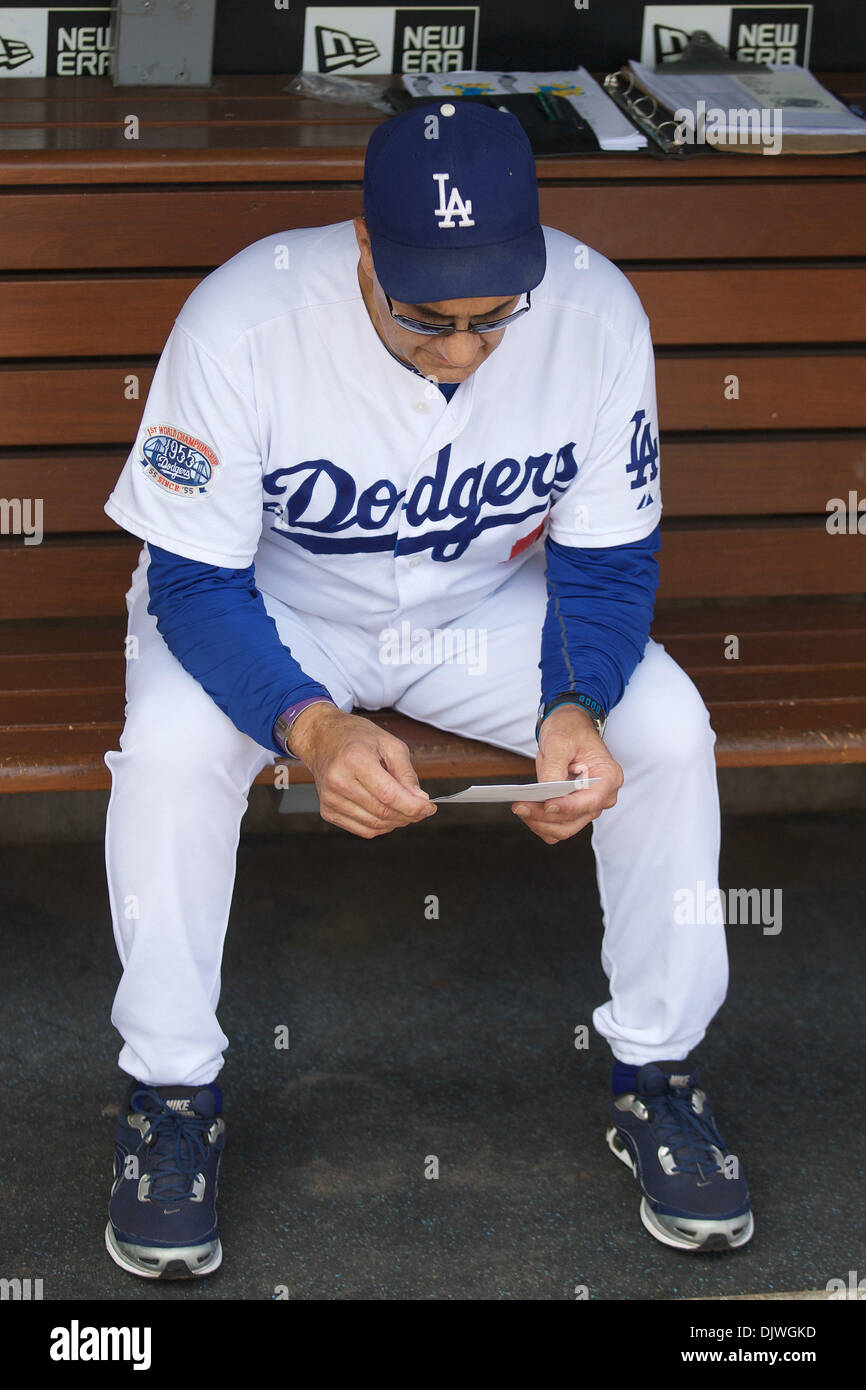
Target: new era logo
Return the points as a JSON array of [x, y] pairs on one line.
[[669, 41], [337, 49], [13, 52]]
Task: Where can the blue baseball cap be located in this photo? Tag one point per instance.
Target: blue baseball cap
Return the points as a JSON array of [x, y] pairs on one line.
[[451, 204]]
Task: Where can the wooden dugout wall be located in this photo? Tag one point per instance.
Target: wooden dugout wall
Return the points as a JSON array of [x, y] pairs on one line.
[[748, 266]]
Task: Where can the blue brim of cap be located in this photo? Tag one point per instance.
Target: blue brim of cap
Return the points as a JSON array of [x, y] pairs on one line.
[[429, 275]]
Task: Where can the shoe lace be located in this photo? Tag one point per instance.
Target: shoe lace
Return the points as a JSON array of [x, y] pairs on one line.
[[177, 1150], [690, 1138]]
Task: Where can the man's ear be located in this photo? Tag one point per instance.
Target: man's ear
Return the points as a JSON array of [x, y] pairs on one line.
[[363, 239]]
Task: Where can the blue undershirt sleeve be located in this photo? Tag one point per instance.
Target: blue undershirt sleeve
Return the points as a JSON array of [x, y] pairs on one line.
[[599, 609], [216, 624]]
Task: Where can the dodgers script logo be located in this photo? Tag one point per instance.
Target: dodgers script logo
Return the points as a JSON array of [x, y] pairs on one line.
[[320, 499], [176, 461]]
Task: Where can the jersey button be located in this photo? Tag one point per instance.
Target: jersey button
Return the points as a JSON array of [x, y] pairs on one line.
[[416, 561], [421, 406]]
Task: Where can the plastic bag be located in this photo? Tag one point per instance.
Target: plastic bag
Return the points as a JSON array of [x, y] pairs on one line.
[[341, 89]]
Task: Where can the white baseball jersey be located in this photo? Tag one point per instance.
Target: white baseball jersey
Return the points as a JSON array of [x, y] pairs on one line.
[[279, 429]]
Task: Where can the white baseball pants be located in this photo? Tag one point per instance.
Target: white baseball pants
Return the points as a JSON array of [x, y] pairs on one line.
[[182, 775]]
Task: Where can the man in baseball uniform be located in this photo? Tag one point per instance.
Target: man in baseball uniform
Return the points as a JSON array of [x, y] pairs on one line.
[[436, 418]]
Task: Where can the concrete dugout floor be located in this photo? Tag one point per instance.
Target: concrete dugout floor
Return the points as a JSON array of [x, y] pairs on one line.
[[453, 1038]]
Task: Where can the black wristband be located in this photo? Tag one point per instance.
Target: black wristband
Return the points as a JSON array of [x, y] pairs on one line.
[[595, 710]]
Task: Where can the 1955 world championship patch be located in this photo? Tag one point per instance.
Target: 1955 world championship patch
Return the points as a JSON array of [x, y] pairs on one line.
[[175, 461]]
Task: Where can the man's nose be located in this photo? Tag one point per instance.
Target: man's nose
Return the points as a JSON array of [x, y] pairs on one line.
[[459, 348]]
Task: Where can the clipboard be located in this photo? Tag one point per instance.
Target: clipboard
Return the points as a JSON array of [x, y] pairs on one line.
[[703, 55], [656, 123]]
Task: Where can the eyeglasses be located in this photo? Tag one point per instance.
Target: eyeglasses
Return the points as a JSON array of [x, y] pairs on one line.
[[445, 330]]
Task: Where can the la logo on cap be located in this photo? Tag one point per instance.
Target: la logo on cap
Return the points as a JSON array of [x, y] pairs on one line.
[[445, 212]]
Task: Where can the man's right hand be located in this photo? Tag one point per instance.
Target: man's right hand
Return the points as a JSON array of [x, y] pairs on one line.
[[364, 776]]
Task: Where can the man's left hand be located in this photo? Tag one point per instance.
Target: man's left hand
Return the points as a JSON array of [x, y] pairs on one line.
[[569, 746]]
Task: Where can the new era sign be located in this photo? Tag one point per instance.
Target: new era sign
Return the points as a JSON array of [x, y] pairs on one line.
[[752, 33], [61, 41], [384, 38]]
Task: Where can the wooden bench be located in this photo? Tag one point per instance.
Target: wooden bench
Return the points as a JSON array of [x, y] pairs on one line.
[[751, 267]]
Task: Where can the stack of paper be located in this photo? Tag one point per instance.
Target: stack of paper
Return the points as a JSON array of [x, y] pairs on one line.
[[521, 791], [613, 130]]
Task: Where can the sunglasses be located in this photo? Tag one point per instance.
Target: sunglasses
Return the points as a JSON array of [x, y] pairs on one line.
[[445, 330]]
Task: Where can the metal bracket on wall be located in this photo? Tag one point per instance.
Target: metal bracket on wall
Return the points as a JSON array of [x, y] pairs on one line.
[[163, 43]]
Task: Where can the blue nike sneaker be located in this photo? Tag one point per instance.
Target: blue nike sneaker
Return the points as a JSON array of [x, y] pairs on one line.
[[694, 1195], [162, 1213]]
